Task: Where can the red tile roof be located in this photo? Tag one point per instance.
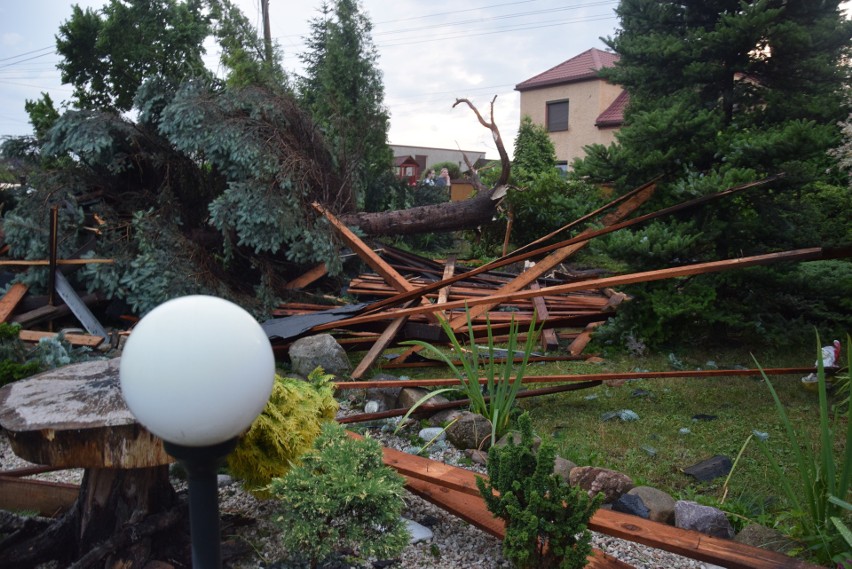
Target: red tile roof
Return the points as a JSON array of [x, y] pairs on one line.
[[579, 68], [614, 114]]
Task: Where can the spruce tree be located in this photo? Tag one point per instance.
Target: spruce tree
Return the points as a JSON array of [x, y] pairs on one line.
[[724, 92], [343, 90]]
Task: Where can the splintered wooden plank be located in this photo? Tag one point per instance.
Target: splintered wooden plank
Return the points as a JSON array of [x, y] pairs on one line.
[[449, 270], [73, 339], [530, 275], [391, 275], [46, 498], [11, 299], [307, 278], [549, 341], [379, 346], [797, 255], [583, 338], [530, 379]]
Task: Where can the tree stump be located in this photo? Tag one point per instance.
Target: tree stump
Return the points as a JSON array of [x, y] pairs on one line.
[[75, 417]]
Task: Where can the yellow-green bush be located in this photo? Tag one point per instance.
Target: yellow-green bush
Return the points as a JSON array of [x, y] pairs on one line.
[[290, 422]]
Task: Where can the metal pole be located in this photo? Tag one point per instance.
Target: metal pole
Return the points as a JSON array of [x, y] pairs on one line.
[[201, 464]]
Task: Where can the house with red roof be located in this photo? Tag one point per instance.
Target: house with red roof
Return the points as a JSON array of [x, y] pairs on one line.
[[574, 104]]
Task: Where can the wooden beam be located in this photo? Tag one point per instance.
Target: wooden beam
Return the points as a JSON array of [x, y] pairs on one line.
[[391, 275], [473, 510], [11, 299], [582, 377], [583, 338], [449, 270], [379, 346], [436, 477]]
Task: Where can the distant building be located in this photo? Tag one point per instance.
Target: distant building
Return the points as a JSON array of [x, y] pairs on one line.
[[426, 156], [574, 104], [407, 168]]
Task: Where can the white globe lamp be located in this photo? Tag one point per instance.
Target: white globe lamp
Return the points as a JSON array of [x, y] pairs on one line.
[[196, 371]]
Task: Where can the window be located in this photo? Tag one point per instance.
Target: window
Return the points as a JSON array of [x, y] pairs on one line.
[[562, 166], [557, 115]]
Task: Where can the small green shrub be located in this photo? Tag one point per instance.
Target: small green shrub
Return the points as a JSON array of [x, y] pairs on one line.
[[546, 519], [341, 498], [286, 429]]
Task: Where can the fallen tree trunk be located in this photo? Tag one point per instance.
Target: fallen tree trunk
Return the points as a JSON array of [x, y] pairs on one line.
[[450, 216]]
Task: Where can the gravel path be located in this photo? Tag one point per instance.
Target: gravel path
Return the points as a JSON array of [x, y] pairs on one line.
[[455, 543]]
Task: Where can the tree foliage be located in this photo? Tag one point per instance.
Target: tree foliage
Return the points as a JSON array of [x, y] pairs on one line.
[[107, 54], [722, 93]]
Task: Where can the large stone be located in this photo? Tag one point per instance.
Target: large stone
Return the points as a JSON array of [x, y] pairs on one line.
[[660, 505], [714, 467], [515, 438], [562, 467], [766, 538], [631, 504], [470, 431], [705, 519], [410, 396], [593, 480], [322, 350], [445, 417], [386, 396]]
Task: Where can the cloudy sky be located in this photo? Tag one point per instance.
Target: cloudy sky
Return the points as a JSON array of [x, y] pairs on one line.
[[431, 52]]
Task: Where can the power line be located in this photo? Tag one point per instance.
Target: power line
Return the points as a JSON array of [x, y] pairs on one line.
[[50, 47]]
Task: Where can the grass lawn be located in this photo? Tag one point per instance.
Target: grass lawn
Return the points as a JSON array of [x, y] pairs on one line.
[[682, 421]]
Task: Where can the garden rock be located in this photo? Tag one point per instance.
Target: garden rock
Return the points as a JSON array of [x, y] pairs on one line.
[[409, 396], [470, 431], [515, 437], [445, 417], [631, 504], [322, 350], [477, 456], [705, 519], [374, 406], [593, 480], [625, 415], [660, 505], [418, 532], [766, 538], [719, 465], [431, 433], [562, 468], [386, 396]]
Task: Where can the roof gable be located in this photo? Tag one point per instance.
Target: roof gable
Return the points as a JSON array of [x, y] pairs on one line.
[[579, 68]]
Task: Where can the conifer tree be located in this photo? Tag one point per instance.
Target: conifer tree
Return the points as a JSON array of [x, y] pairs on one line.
[[343, 90], [723, 92]]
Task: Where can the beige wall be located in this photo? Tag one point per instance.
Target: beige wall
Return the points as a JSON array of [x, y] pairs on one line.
[[586, 101]]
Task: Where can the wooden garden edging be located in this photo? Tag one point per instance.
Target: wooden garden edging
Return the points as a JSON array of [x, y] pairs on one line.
[[454, 489]]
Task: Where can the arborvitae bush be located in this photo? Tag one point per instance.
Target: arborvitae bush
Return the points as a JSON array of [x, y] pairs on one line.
[[546, 519], [341, 498], [287, 428]]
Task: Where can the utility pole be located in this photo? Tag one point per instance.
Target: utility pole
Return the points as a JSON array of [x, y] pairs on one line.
[[267, 34]]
